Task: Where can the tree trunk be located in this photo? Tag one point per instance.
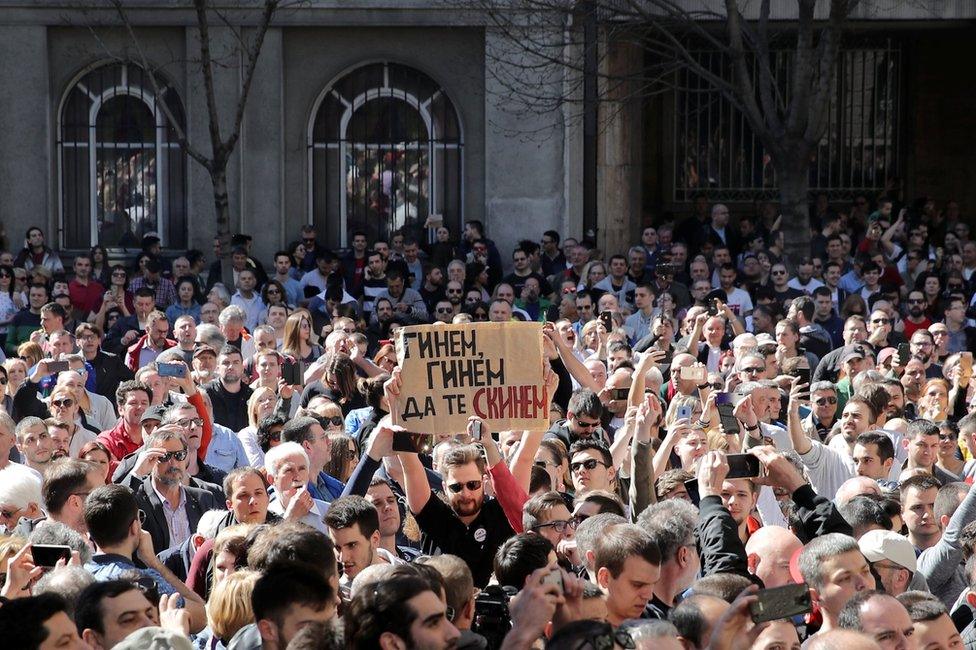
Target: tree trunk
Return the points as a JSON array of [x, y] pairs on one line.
[[222, 212], [794, 186]]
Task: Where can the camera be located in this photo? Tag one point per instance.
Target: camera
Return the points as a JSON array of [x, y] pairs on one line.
[[491, 616]]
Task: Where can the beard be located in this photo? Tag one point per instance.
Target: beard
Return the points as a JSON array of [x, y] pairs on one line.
[[59, 453], [467, 507]]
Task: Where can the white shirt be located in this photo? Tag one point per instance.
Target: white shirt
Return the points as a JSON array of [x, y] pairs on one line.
[[739, 301], [313, 518], [252, 307], [812, 285]]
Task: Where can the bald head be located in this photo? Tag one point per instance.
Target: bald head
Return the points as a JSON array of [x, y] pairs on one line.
[[856, 486], [847, 639], [769, 550]]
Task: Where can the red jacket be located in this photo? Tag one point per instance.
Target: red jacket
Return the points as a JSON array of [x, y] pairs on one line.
[[132, 354]]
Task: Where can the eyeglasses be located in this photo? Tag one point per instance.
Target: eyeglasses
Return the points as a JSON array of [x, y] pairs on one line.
[[543, 463], [755, 370], [63, 403], [10, 514], [589, 465], [779, 273], [824, 401], [186, 423], [173, 455], [881, 321], [472, 486], [273, 290], [559, 525], [947, 437]]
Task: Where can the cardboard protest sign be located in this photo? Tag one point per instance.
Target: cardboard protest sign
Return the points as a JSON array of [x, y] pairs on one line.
[[451, 372]]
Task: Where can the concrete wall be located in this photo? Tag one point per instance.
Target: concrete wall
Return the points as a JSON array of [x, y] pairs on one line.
[[524, 159], [25, 142]]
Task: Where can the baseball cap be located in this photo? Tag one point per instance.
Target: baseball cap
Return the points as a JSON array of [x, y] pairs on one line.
[[879, 545], [885, 354], [852, 352], [154, 413], [203, 348]]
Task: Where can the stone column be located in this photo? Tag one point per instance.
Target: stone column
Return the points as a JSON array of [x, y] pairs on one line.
[[619, 180]]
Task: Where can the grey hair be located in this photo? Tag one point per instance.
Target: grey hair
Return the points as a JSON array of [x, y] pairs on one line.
[[823, 385], [163, 433], [209, 524], [819, 549], [649, 629], [231, 312], [671, 524], [54, 533], [222, 292], [749, 355], [211, 335], [67, 582], [748, 387]]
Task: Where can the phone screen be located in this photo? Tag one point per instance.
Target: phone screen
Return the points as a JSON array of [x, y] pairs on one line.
[[780, 603], [804, 375], [47, 555], [621, 393], [171, 370], [743, 466], [418, 443], [729, 423], [57, 366]]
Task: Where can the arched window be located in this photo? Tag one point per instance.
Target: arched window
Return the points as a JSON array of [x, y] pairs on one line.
[[122, 172], [385, 150]]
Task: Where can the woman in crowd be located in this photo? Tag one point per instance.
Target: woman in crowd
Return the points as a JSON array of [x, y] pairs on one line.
[[297, 342], [188, 301], [97, 453], [101, 269], [117, 297]]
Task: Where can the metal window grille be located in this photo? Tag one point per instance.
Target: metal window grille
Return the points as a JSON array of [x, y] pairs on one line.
[[122, 172], [717, 155], [385, 153]]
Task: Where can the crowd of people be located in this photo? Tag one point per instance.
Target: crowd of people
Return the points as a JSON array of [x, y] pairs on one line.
[[200, 456]]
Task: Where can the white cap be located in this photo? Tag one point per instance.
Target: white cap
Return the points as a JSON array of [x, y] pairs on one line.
[[879, 545]]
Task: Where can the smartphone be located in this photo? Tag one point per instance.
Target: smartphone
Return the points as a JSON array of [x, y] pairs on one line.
[[697, 374], [781, 603], [966, 362], [606, 317], [804, 375], [292, 373], [743, 466], [723, 403], [555, 577], [684, 412], [904, 354], [476, 430], [47, 555], [691, 486], [620, 393], [418, 443], [57, 366], [713, 307], [171, 370]]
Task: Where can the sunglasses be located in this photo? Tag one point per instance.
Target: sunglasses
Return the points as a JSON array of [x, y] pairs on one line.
[[472, 486], [62, 403], [275, 436], [173, 455], [335, 420], [9, 514], [186, 423], [589, 465], [823, 401], [881, 321], [560, 525], [273, 291], [947, 437]]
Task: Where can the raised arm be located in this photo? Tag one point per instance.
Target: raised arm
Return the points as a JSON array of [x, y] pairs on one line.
[[801, 443], [415, 482], [573, 365], [642, 456]]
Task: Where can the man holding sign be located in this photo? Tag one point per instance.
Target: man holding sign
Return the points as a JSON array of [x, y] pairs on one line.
[[471, 525], [490, 370]]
